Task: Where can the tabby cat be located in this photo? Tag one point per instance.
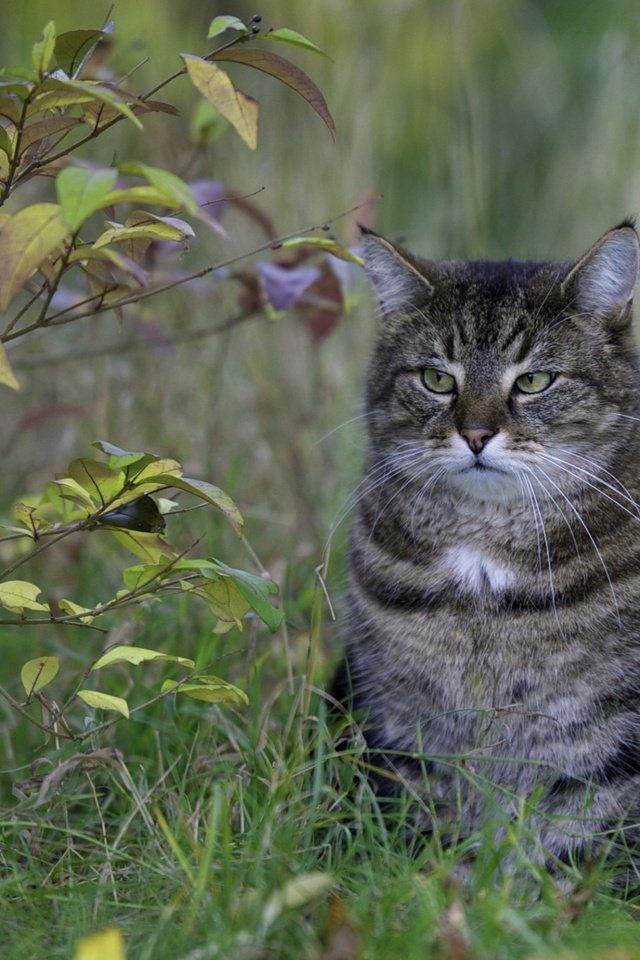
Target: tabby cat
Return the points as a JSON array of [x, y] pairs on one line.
[[494, 595]]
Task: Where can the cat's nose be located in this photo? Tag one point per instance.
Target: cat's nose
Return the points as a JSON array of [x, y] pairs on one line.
[[477, 437]]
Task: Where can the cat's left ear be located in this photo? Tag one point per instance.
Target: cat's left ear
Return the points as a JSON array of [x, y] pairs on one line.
[[399, 278], [602, 282]]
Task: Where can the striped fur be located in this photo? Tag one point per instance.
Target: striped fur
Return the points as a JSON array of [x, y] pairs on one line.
[[494, 597]]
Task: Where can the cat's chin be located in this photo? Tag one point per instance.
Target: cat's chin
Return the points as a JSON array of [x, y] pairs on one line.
[[486, 483]]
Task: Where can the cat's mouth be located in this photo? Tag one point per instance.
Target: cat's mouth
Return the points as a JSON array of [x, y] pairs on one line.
[[479, 467]]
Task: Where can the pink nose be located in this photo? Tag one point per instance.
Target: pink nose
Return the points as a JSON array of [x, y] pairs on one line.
[[477, 437]]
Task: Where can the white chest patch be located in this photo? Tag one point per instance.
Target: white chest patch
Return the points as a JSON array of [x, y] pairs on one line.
[[475, 571]]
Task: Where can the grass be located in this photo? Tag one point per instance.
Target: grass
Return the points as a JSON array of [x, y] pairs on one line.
[[493, 129], [251, 834]]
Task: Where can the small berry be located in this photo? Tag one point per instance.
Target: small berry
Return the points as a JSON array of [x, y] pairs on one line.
[[256, 18]]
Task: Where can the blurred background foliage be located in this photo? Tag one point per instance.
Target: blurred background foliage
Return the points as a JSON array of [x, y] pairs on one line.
[[488, 128]]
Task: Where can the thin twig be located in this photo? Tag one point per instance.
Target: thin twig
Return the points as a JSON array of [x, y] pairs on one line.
[[111, 349]]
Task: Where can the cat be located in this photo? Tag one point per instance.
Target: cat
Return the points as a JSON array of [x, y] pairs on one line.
[[493, 613]]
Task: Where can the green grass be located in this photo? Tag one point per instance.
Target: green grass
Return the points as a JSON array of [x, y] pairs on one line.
[[204, 832]]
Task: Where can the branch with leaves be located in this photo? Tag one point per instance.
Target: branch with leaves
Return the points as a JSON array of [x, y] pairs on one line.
[[116, 496], [92, 243], [45, 244]]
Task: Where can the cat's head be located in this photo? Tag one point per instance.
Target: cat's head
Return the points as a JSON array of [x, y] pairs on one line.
[[495, 375]]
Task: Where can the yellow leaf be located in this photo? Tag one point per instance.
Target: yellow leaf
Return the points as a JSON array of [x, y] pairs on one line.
[[37, 673], [26, 239], [19, 595], [135, 656], [296, 893], [7, 376], [104, 701], [215, 86], [153, 230], [106, 945], [226, 601], [325, 243]]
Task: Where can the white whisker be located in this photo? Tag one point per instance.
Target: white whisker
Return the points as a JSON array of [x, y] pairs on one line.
[[587, 531]]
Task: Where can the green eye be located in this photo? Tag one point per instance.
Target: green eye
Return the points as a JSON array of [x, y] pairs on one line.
[[534, 382], [437, 380]]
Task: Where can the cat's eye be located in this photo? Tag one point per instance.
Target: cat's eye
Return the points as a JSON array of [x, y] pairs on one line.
[[437, 380], [534, 382]]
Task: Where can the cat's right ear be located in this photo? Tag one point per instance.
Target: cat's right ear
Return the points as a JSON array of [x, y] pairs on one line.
[[602, 282], [397, 278]]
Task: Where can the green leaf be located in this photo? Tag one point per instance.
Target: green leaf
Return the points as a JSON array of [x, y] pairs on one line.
[[20, 595], [168, 184], [26, 239], [42, 51], [6, 143], [285, 35], [123, 458], [101, 481], [86, 252], [104, 701], [161, 465], [143, 573], [76, 492], [75, 610], [225, 599], [286, 72], [215, 86], [73, 47], [22, 73], [220, 24], [7, 376], [81, 192], [10, 107], [136, 656], [207, 123], [57, 93], [27, 514], [326, 244], [138, 195], [37, 673], [149, 547], [205, 491], [208, 688], [256, 591]]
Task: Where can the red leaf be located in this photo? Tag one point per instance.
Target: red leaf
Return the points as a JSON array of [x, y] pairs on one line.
[[285, 71], [321, 307]]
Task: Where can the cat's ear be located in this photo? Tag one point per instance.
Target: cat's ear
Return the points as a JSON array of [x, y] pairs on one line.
[[397, 276], [602, 282]]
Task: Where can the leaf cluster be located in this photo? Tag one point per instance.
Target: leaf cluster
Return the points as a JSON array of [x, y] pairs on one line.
[[116, 496]]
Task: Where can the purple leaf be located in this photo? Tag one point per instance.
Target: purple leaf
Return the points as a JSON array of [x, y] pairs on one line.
[[283, 286], [210, 197]]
